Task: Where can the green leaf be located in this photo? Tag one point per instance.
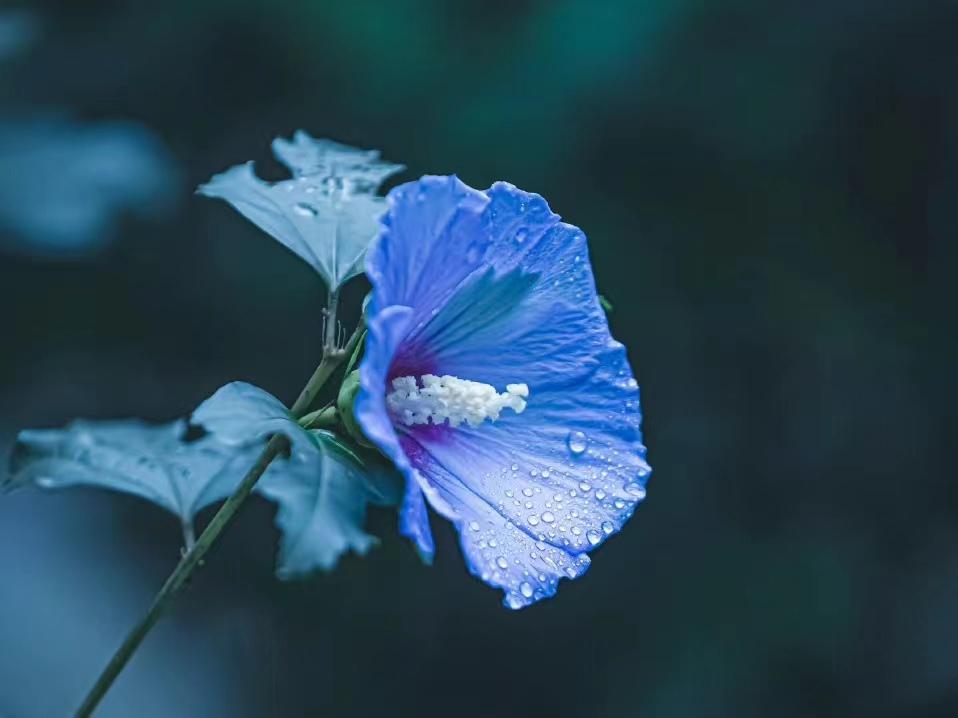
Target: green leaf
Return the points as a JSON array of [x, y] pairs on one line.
[[322, 502], [240, 413], [327, 214], [322, 489], [133, 457], [606, 304]]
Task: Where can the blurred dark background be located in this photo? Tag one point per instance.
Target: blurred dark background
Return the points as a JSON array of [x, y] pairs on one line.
[[770, 194]]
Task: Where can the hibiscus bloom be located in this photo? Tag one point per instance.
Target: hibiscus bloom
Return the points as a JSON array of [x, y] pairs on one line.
[[490, 379]]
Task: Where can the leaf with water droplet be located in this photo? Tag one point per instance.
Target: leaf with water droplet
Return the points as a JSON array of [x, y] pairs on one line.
[[131, 456], [327, 214]]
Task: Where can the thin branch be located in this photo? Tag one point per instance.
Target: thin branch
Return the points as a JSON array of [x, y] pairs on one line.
[[277, 445]]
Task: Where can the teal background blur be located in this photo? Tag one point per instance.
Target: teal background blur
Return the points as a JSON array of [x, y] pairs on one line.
[[769, 190]]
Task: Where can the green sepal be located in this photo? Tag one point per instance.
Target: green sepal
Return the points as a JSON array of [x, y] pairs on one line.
[[345, 404]]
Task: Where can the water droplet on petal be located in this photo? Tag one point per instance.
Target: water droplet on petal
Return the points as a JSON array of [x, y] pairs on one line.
[[521, 235], [526, 589], [608, 527], [501, 562], [533, 520], [586, 488], [577, 442], [548, 517], [474, 525], [527, 491], [593, 537], [600, 494], [635, 489]]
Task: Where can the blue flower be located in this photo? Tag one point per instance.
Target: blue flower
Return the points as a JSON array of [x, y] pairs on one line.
[[491, 380]]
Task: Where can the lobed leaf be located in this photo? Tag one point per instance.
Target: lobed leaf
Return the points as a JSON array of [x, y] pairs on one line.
[[130, 456], [327, 214], [322, 490]]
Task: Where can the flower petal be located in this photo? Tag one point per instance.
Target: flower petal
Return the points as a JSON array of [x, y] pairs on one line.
[[445, 217], [385, 330], [496, 549]]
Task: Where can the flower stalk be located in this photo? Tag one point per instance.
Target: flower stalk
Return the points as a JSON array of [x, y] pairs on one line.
[[195, 552]]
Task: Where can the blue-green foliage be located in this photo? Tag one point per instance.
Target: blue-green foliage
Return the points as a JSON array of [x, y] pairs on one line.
[[133, 457], [327, 214], [321, 490]]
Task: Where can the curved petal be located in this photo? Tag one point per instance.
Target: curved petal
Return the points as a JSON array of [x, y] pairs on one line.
[[384, 332], [439, 221], [534, 491]]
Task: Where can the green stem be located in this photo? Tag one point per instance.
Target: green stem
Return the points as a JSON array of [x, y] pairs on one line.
[[193, 557], [332, 304], [181, 574], [324, 418]]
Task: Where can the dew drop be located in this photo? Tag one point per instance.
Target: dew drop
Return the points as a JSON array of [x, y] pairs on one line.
[[474, 525], [593, 537], [586, 488], [533, 520], [305, 210], [577, 442], [576, 530], [600, 494], [527, 491], [521, 235], [607, 527], [635, 489], [548, 517], [501, 562], [515, 467], [526, 589]]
